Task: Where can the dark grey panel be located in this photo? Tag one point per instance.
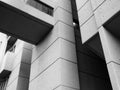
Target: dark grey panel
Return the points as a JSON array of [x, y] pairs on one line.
[[94, 44], [88, 82], [92, 66]]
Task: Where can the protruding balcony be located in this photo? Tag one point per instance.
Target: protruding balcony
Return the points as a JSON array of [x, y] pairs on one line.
[[23, 21]]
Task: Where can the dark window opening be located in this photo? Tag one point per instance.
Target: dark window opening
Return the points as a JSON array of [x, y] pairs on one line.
[[41, 6]]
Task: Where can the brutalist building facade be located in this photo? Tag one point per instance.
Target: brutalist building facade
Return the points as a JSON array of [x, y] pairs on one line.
[[59, 44]]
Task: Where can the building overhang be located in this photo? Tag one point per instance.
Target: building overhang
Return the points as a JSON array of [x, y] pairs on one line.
[[21, 24], [113, 25]]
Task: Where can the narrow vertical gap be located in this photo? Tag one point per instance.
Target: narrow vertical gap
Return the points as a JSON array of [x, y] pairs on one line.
[[92, 69]]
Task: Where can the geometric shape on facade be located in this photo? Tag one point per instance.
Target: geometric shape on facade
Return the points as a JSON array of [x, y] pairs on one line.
[[113, 25], [21, 25]]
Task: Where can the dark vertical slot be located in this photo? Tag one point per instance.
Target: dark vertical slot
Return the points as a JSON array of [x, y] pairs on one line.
[[93, 73]]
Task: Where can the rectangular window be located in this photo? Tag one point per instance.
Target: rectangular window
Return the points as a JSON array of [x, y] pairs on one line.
[[41, 6]]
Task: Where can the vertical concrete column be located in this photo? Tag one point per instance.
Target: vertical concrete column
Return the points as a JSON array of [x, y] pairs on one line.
[[111, 47], [54, 64], [19, 77]]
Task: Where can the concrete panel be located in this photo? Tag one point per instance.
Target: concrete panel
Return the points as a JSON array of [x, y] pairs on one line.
[[64, 16], [26, 56], [61, 72], [28, 46], [66, 32], [60, 30], [20, 69], [80, 3], [89, 29], [68, 50], [13, 86], [49, 2], [3, 45], [8, 60], [46, 59], [18, 58], [106, 11], [114, 70], [65, 88], [19, 46], [69, 74], [19, 84], [14, 75], [24, 70], [85, 13], [65, 4], [48, 80], [60, 49], [111, 46], [22, 84], [96, 3]]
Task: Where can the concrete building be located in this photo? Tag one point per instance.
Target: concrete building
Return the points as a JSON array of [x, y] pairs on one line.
[[59, 44]]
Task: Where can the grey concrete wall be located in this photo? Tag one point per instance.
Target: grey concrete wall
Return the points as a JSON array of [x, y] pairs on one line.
[[19, 77], [54, 63], [92, 15], [93, 74], [111, 46]]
